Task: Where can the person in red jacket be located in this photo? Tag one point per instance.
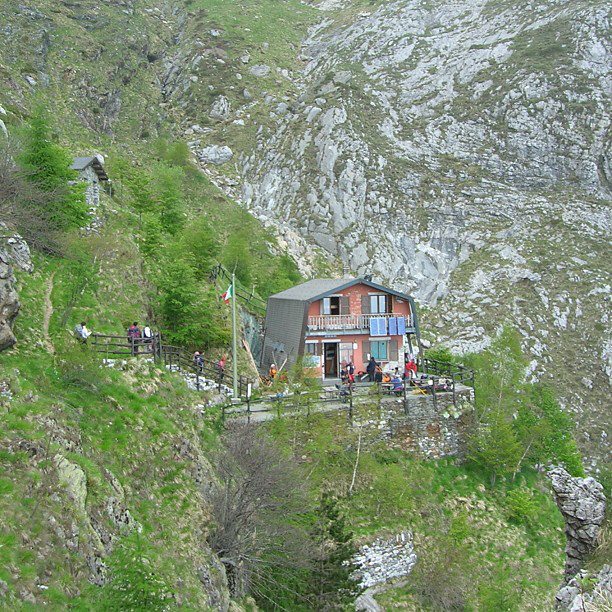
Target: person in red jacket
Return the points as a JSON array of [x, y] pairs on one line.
[[410, 369]]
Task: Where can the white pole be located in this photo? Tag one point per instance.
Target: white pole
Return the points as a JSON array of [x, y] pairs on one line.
[[234, 342]]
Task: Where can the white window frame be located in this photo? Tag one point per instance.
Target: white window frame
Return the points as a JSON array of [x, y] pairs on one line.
[[375, 299]]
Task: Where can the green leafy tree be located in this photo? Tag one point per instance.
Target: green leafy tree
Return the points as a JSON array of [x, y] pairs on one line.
[[546, 432], [199, 242], [151, 237], [47, 165], [236, 256], [139, 184]]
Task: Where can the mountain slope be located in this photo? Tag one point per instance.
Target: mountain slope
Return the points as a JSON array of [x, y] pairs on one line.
[[461, 151]]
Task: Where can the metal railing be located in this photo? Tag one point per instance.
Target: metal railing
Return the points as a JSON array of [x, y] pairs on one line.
[[351, 321], [345, 397], [456, 372]]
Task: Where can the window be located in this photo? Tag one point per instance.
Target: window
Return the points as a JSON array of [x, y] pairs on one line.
[[311, 348], [331, 306], [378, 304], [378, 350]]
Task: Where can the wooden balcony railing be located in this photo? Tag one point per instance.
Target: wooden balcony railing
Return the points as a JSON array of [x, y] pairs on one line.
[[348, 322]]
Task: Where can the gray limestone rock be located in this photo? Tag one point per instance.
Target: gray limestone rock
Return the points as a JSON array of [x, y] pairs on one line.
[[220, 108], [260, 70], [581, 595], [14, 254], [215, 154], [583, 505]]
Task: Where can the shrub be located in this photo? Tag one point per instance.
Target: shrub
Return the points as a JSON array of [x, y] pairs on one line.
[[521, 506]]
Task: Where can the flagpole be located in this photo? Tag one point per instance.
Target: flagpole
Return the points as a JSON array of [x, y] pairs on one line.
[[234, 343]]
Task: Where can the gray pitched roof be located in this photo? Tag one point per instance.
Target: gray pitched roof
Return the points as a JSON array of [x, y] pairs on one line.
[[80, 163], [312, 288], [318, 288]]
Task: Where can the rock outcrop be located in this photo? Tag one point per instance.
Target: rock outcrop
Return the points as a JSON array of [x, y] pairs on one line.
[[14, 253], [577, 597], [380, 565], [583, 504]]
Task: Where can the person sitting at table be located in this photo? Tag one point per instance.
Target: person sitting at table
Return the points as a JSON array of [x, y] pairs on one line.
[[398, 386]]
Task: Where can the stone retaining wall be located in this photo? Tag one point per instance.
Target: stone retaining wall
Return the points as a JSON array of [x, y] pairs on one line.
[[431, 429]]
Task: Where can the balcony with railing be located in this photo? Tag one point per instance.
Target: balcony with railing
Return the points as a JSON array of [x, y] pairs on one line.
[[352, 322]]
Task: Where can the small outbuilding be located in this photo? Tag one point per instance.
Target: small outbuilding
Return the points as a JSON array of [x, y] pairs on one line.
[[91, 171]]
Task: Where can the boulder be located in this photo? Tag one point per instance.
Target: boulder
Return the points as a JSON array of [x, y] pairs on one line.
[[260, 70], [215, 154], [220, 108]]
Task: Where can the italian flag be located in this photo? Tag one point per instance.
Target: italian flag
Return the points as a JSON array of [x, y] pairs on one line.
[[227, 296]]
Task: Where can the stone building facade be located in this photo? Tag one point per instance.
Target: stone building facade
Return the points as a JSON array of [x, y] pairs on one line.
[[91, 171]]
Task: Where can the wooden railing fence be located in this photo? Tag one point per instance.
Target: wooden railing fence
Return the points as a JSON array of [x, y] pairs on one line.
[[176, 358]]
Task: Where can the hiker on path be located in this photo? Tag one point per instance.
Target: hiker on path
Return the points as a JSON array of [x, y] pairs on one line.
[[134, 335], [371, 369], [147, 337], [221, 367], [198, 360], [82, 333]]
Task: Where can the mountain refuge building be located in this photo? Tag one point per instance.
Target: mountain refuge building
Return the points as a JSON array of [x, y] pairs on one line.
[[91, 171], [330, 322]]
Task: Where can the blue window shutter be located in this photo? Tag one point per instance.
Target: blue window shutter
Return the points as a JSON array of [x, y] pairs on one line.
[[373, 327], [383, 326], [392, 326], [401, 326]]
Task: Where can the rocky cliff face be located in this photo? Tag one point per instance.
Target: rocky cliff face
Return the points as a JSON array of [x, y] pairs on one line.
[[14, 253], [460, 150]]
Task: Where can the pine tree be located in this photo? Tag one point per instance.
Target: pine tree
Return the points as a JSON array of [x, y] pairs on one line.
[[47, 165], [332, 588], [170, 198]]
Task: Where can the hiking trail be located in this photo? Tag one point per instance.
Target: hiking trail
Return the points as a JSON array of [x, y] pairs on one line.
[[48, 313]]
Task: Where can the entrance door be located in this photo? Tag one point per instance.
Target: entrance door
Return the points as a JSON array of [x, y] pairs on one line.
[[330, 354]]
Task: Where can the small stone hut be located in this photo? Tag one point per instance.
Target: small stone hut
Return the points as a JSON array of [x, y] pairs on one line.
[[91, 171]]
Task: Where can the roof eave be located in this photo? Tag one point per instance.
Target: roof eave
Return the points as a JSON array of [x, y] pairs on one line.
[[357, 281]]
